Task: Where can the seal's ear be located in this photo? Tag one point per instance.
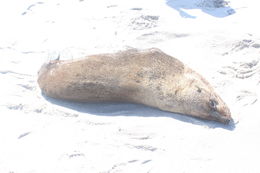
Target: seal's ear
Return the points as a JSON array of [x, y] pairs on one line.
[[199, 90], [213, 104]]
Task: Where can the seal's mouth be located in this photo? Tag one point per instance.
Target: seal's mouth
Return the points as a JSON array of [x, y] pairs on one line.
[[219, 117]]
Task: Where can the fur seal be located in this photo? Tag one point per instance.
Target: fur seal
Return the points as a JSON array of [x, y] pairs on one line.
[[148, 77]]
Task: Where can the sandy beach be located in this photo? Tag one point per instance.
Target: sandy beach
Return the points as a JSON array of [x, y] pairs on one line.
[[219, 39]]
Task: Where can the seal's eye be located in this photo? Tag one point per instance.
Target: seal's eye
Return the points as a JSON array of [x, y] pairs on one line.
[[213, 104]]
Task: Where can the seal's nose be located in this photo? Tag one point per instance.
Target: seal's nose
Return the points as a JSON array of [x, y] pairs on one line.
[[227, 121]]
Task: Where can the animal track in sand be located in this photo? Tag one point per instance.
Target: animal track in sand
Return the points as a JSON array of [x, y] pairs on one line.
[[29, 8], [212, 3], [240, 45], [245, 43], [247, 98], [144, 22], [243, 70], [160, 36]]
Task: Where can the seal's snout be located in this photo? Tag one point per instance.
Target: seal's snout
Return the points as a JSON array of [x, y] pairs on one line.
[[227, 120], [219, 110], [221, 114], [226, 114]]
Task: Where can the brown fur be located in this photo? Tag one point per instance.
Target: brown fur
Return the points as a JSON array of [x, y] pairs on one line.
[[148, 77]]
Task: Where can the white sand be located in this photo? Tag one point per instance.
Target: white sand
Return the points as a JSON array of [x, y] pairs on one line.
[[39, 135]]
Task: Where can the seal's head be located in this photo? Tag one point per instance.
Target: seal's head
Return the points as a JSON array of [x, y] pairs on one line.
[[202, 101]]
